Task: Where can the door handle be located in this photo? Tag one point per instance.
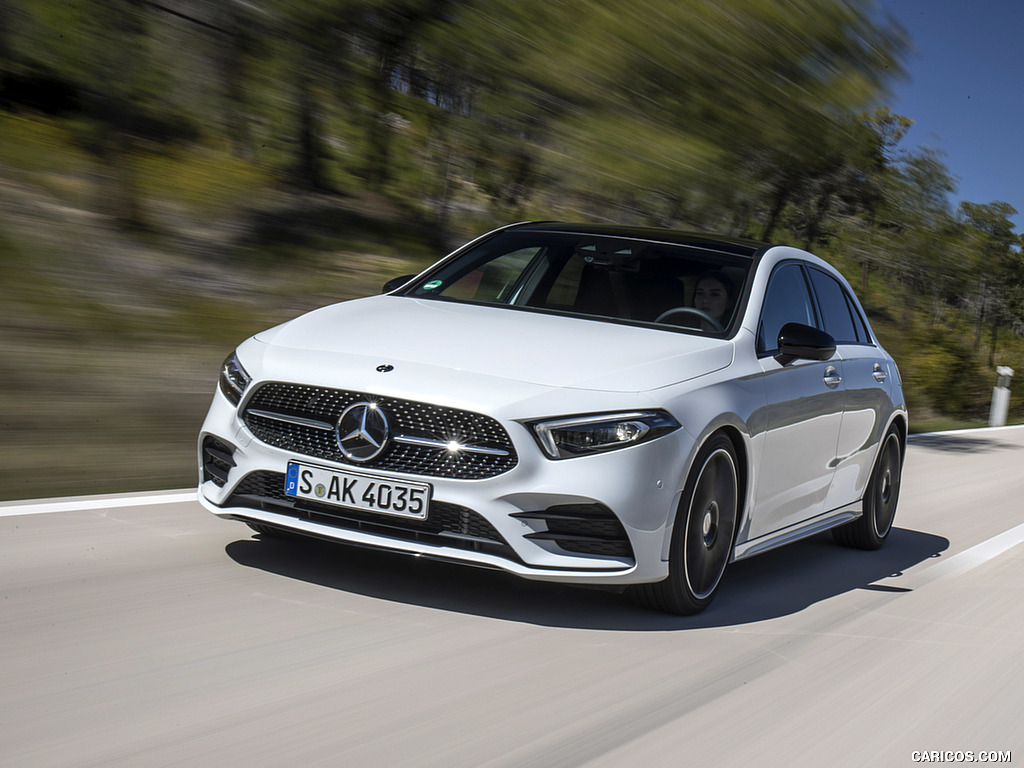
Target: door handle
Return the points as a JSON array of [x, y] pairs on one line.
[[879, 374], [832, 378]]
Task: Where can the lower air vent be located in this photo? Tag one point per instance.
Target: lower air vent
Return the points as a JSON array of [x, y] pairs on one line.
[[218, 460], [448, 525], [586, 529]]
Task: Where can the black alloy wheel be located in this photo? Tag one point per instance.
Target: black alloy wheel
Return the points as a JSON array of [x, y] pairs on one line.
[[702, 537], [871, 529]]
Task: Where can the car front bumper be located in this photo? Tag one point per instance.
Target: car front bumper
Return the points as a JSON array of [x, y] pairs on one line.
[[513, 522]]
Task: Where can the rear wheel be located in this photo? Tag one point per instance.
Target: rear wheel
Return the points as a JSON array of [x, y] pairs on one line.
[[871, 529], [702, 536]]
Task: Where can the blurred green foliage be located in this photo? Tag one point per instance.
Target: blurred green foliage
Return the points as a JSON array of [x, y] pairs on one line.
[[175, 175]]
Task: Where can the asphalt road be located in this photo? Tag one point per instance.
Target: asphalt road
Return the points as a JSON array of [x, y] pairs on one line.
[[155, 634]]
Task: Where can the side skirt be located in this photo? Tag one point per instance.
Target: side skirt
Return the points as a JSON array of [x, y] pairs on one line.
[[823, 522]]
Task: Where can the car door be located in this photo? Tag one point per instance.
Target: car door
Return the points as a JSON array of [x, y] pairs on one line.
[[803, 412], [865, 377]]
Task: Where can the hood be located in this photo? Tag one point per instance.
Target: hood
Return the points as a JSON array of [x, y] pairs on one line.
[[498, 342]]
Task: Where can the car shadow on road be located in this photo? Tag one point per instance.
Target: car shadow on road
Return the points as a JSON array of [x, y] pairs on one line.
[[772, 585]]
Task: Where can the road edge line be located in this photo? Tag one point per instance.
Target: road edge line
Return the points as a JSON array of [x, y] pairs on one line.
[[43, 507]]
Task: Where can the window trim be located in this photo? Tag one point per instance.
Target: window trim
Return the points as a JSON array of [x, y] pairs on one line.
[[860, 324]]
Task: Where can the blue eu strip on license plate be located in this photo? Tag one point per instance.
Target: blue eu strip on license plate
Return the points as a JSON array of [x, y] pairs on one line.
[[358, 491]]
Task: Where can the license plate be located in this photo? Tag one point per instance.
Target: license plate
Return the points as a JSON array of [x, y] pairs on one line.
[[356, 491]]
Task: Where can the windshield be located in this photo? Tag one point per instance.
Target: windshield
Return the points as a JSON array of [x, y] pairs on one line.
[[597, 277]]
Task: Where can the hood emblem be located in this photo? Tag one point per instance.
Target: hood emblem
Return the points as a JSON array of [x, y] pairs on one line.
[[385, 368], [363, 432]]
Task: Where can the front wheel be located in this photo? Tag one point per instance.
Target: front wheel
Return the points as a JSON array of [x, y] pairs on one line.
[[702, 536], [871, 529]]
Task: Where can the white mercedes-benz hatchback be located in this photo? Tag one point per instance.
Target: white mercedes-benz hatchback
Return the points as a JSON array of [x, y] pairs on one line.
[[572, 403]]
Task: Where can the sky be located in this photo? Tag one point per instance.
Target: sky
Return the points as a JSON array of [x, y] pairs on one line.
[[965, 92]]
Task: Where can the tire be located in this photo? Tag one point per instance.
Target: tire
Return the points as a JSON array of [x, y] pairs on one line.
[[871, 529], [703, 534]]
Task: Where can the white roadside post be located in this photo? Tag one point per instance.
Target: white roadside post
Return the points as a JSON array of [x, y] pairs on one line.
[[1000, 397]]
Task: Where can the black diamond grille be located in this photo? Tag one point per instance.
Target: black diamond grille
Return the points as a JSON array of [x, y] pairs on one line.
[[407, 418], [448, 524]]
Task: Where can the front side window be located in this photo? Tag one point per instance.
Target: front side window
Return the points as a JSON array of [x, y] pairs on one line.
[[787, 300], [595, 276]]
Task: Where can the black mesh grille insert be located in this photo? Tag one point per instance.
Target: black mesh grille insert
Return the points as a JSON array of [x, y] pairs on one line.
[[587, 529], [449, 525], [407, 419]]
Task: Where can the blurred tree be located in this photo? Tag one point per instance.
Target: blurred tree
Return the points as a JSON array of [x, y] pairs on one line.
[[1014, 292], [240, 28], [6, 19], [994, 244], [320, 40], [104, 49], [663, 96], [922, 241], [851, 171], [6, 51], [488, 102], [116, 90], [394, 30]]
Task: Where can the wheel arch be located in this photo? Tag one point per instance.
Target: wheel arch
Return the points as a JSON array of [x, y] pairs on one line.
[[742, 470], [897, 421], [743, 474], [902, 428]]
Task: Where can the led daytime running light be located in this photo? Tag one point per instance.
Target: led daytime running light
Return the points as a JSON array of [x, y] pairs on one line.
[[233, 379], [566, 438]]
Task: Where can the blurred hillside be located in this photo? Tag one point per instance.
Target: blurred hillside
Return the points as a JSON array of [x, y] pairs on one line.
[[176, 175]]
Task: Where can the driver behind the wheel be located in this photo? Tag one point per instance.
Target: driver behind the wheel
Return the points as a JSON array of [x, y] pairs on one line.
[[714, 296]]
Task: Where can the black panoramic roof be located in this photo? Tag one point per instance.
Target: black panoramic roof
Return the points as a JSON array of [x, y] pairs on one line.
[[733, 245]]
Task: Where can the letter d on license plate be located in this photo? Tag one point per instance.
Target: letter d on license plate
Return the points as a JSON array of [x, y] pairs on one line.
[[356, 491]]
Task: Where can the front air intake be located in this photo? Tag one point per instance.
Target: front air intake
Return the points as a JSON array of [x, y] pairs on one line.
[[218, 460], [585, 529]]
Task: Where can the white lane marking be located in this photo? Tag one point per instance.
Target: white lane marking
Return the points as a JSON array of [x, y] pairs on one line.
[[979, 554], [45, 507], [971, 558]]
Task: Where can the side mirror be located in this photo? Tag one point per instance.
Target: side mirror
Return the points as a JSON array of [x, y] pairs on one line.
[[802, 342], [395, 283]]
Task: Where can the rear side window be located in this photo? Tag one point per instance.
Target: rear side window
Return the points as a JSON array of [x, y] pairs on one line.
[[835, 309], [863, 334], [787, 300]]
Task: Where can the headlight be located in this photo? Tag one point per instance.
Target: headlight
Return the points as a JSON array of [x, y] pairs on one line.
[[582, 435], [233, 379]]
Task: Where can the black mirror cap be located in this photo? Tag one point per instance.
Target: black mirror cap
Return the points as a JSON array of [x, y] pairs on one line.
[[395, 283], [802, 342]]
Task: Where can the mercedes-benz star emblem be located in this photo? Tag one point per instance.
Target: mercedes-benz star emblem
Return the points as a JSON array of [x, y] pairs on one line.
[[363, 432]]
